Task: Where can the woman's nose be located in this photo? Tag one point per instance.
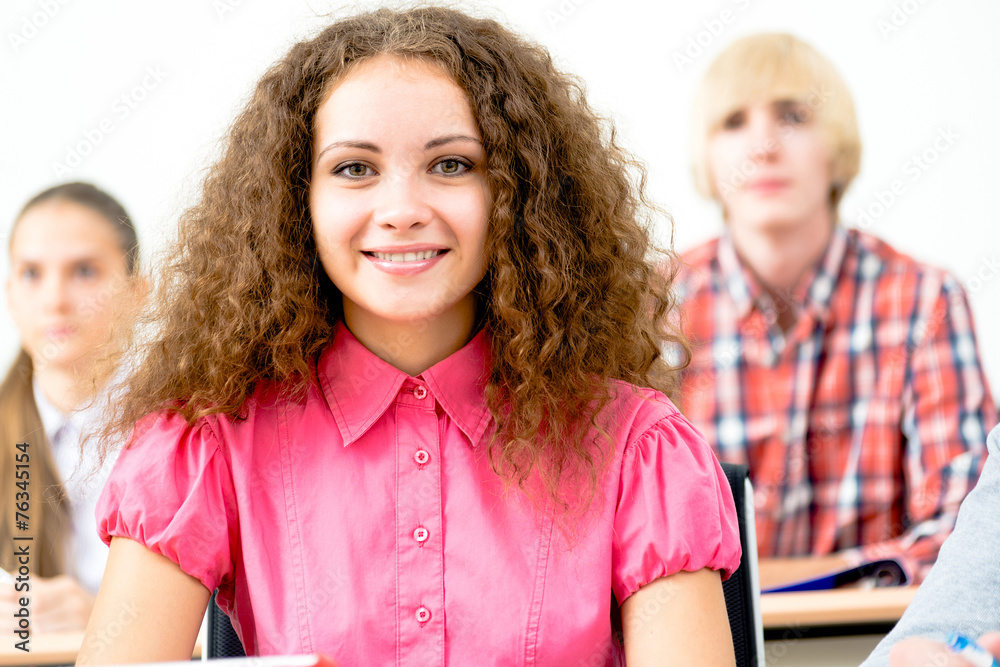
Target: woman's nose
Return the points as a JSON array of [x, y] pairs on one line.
[[54, 293], [402, 204]]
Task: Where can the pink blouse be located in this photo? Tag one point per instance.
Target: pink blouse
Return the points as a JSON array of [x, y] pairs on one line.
[[364, 521]]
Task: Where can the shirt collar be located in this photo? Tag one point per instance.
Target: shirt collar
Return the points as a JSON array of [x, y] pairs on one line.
[[816, 286], [737, 280], [360, 387], [813, 289], [53, 419]]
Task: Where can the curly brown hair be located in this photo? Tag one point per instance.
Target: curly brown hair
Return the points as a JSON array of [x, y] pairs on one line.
[[575, 293]]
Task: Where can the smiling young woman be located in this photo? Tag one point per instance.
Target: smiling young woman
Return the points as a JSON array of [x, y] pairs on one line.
[[404, 404]]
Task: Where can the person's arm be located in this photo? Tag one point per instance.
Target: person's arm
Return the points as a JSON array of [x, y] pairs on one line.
[[947, 410], [961, 593], [679, 619], [147, 609]]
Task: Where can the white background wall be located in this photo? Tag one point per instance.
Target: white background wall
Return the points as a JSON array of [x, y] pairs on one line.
[[147, 89]]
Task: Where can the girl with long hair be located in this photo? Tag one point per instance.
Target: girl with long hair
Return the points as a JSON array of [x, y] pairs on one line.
[[73, 254], [405, 400]]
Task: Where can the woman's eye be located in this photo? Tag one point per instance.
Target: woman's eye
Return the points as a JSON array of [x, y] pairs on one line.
[[452, 167], [85, 271], [354, 170], [733, 121], [30, 273]]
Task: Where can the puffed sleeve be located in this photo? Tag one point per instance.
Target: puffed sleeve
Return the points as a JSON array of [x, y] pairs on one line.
[[171, 490], [675, 509]]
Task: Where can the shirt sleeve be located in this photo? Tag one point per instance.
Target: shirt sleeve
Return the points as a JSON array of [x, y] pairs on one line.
[[947, 412], [675, 509], [171, 491]]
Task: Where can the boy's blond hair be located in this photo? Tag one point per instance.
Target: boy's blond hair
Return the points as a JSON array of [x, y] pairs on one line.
[[769, 67]]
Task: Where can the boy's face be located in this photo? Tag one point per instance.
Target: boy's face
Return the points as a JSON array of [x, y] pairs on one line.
[[770, 165]]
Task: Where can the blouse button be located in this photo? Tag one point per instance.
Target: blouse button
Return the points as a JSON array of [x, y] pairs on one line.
[[420, 392], [421, 457], [423, 614], [421, 534]]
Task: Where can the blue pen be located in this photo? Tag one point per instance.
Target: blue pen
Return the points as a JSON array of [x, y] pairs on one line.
[[971, 651]]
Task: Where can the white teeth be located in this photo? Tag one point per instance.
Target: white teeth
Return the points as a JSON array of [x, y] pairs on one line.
[[408, 256]]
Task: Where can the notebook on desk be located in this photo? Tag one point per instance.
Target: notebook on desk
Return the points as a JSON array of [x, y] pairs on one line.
[[874, 574]]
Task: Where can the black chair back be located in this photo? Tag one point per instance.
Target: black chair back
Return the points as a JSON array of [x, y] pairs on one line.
[[742, 589], [222, 640]]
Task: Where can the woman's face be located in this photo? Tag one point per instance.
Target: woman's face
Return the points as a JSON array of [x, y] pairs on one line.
[[68, 273], [771, 166], [398, 197]]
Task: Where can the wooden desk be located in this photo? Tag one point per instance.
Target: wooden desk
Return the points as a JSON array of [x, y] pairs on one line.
[[806, 621], [60, 649], [829, 628], [839, 607], [54, 649]]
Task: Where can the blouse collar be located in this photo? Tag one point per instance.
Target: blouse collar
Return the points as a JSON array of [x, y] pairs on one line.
[[53, 419], [360, 387]]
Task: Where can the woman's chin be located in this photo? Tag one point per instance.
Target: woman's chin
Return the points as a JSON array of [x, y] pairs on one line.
[[51, 356]]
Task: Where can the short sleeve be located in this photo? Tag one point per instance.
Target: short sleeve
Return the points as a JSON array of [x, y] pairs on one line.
[[675, 509], [171, 491]]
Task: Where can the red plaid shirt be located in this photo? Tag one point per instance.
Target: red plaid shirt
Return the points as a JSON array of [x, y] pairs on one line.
[[864, 424]]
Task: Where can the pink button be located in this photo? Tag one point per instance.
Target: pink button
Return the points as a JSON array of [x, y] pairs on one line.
[[423, 614], [421, 534], [420, 392], [421, 457]]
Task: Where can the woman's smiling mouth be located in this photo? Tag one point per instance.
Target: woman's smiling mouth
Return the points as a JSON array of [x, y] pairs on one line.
[[405, 256], [405, 261]]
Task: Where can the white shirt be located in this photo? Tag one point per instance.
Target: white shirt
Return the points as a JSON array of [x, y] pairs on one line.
[[85, 555]]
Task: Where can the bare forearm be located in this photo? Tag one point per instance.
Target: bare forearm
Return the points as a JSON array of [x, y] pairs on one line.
[[678, 620]]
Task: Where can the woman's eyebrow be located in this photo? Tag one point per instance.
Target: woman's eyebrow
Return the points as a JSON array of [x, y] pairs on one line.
[[441, 141], [364, 145], [81, 255], [368, 146]]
